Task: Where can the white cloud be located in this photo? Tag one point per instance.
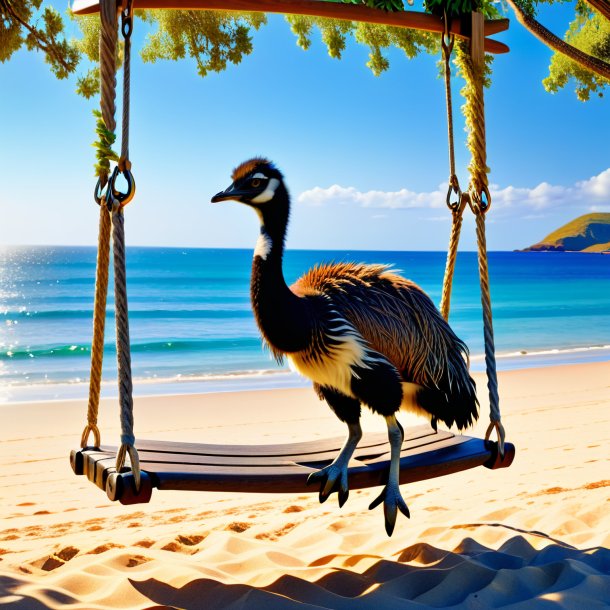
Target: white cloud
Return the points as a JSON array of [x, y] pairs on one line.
[[595, 190], [597, 186], [403, 199]]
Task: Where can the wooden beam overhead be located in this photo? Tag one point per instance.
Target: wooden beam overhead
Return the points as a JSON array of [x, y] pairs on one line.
[[319, 8]]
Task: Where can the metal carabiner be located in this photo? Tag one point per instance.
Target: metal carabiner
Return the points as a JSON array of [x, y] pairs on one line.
[[454, 205], [127, 20], [447, 38], [480, 202], [98, 192], [122, 198], [454, 187]]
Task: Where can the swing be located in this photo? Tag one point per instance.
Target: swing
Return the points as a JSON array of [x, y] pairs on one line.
[[426, 452]]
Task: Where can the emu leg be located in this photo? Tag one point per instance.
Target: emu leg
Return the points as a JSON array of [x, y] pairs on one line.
[[334, 476], [391, 496]]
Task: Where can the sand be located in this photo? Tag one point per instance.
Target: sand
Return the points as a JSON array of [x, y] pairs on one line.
[[536, 535]]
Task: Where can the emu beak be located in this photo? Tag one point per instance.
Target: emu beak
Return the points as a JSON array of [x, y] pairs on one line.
[[229, 193]]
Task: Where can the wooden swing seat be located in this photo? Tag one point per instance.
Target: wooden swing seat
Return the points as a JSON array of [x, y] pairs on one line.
[[281, 468]]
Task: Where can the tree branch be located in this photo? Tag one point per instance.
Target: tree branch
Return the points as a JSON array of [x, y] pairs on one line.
[[589, 62], [41, 41]]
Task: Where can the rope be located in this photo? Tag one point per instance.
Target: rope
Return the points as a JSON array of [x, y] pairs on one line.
[[123, 346], [454, 240], [480, 201], [474, 111], [108, 46], [108, 41], [447, 42], [490, 354], [99, 323], [457, 208], [126, 27]]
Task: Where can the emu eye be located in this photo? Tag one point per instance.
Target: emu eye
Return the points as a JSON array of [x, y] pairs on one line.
[[255, 182]]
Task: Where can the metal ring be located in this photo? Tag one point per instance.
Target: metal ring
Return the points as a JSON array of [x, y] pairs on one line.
[[453, 205], [98, 192], [122, 198], [480, 200], [447, 38], [126, 20], [126, 25]]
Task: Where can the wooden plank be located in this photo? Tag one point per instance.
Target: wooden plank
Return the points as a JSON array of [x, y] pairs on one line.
[[428, 464], [316, 8], [477, 41], [439, 453], [294, 451], [377, 447]]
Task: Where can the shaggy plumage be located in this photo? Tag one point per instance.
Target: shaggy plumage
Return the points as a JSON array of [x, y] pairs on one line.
[[397, 319], [362, 333]]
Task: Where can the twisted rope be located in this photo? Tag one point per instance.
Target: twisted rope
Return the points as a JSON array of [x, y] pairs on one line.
[[108, 46], [108, 41], [454, 240], [124, 162], [474, 111], [447, 42], [490, 354], [123, 346], [99, 324], [457, 208]]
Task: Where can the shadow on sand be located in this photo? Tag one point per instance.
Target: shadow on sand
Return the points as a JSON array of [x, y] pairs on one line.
[[471, 576]]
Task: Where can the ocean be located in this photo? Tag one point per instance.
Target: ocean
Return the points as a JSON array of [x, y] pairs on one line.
[[192, 328]]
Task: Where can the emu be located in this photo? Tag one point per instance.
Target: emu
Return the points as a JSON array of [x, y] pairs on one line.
[[362, 333]]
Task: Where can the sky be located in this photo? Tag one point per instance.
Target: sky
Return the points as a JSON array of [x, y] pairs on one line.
[[364, 157]]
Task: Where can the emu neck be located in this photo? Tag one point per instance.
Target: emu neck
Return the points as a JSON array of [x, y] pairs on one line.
[[281, 315]]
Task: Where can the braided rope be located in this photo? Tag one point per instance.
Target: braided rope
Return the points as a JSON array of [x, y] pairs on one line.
[[474, 111], [108, 46], [108, 41], [454, 240], [99, 324], [124, 162], [123, 346], [457, 208]]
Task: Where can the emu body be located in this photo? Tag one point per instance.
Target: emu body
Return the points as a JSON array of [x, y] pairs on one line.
[[362, 333]]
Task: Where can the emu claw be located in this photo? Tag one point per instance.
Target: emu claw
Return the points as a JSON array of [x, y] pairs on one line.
[[392, 503], [331, 478]]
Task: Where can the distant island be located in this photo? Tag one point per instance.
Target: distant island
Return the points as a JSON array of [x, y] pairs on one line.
[[588, 233]]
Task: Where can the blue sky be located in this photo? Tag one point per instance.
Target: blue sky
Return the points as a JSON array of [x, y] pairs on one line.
[[364, 157]]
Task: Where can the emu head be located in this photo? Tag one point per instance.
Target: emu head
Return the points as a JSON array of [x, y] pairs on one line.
[[257, 183]]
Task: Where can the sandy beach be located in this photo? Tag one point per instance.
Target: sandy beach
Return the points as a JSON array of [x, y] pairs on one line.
[[536, 535]]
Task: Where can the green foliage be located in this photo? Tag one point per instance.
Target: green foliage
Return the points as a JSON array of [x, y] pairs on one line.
[[386, 5], [589, 32], [103, 146], [23, 22], [212, 38], [453, 8], [335, 33]]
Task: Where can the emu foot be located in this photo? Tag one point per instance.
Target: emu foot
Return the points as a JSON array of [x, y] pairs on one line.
[[331, 478], [392, 503]]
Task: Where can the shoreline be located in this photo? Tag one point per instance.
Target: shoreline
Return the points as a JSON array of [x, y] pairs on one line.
[[270, 379]]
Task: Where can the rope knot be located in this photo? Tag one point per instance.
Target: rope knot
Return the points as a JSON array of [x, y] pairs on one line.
[[84, 441]]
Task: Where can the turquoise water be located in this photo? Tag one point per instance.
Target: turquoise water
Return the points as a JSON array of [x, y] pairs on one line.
[[192, 327]]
